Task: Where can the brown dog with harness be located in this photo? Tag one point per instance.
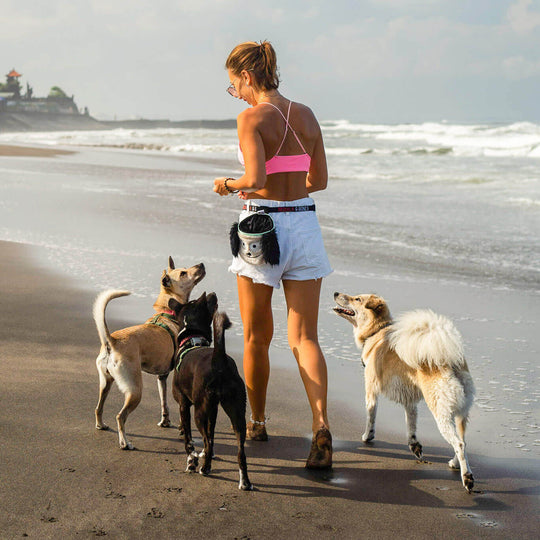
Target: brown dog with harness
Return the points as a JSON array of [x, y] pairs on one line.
[[149, 347]]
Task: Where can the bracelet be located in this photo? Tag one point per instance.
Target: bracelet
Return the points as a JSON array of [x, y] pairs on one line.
[[228, 188]]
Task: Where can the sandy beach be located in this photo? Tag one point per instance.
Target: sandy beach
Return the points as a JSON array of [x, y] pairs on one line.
[[31, 151], [63, 479]]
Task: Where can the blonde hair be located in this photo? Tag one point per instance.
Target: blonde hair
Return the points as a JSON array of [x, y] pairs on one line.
[[259, 58]]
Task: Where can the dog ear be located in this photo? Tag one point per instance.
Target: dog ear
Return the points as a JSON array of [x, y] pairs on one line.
[[234, 240], [375, 303], [175, 305], [270, 248], [211, 302], [171, 263], [165, 279]]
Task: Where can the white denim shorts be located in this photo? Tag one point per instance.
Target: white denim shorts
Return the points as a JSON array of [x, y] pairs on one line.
[[302, 254]]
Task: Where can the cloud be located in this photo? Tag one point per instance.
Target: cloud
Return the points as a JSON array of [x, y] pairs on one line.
[[521, 19], [518, 68], [158, 58]]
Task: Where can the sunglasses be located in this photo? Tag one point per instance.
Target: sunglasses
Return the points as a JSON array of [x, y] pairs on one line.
[[232, 90]]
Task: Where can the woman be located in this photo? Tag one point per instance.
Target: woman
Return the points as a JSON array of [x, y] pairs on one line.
[[282, 149]]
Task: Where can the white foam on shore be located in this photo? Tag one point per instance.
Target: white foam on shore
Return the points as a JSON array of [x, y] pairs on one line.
[[525, 201], [521, 139]]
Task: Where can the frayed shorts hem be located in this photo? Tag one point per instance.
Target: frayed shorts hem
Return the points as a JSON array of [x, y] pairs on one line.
[[261, 281]]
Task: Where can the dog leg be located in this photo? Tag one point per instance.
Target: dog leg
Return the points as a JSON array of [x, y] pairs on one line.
[[178, 397], [237, 417], [411, 415], [105, 384], [449, 430], [185, 416], [131, 400], [204, 424], [371, 410], [162, 388]]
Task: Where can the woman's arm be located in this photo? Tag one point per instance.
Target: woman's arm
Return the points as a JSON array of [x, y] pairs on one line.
[[252, 147], [317, 178]]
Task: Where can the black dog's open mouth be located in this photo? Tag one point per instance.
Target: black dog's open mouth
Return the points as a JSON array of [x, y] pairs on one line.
[[344, 311]]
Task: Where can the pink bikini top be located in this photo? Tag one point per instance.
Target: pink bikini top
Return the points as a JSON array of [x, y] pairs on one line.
[[279, 164]]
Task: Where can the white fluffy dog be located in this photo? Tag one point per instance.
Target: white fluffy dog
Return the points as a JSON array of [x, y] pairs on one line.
[[419, 355]]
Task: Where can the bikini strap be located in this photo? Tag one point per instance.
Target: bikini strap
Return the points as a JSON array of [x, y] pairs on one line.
[[287, 127]]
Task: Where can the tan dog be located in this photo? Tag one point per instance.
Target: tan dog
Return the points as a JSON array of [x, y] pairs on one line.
[[146, 347], [420, 355]]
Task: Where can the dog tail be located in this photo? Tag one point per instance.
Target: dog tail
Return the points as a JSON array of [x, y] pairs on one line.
[[424, 339], [221, 323], [99, 314]]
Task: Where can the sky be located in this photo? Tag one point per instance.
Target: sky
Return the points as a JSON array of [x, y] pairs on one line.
[[373, 61]]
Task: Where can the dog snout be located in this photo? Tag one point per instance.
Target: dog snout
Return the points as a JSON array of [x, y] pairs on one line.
[[336, 294], [200, 272]]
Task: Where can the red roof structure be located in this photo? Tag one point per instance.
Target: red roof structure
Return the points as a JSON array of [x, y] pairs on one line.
[[14, 74]]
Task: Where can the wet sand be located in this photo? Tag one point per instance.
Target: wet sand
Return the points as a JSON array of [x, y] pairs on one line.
[[31, 151], [61, 478]]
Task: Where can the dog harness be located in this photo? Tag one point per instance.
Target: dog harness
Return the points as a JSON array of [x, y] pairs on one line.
[[188, 344], [155, 322]]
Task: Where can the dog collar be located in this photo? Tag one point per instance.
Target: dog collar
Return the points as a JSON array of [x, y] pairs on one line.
[[378, 330], [370, 336], [187, 344]]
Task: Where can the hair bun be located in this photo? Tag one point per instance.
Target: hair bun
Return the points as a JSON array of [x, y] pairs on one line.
[[259, 58]]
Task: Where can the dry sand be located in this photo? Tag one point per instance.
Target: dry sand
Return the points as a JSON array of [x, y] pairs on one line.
[[60, 478]]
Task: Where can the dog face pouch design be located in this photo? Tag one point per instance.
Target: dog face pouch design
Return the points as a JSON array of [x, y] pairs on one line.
[[254, 240]]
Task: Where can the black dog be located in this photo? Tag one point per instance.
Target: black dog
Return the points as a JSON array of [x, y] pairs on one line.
[[205, 378]]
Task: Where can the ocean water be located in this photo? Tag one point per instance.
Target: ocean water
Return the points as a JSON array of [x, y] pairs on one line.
[[428, 215], [461, 199]]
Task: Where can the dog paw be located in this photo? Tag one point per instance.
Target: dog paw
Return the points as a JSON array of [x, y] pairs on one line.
[[102, 427], [205, 471], [416, 449], [165, 423], [192, 462], [245, 486], [468, 481], [454, 463], [368, 437], [127, 446]]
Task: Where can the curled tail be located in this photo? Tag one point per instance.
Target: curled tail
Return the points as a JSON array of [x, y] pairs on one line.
[[99, 314], [221, 323], [424, 339]]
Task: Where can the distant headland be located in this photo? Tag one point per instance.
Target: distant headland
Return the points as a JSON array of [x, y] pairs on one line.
[[22, 111]]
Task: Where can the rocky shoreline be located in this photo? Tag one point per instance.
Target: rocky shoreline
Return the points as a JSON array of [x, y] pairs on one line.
[[37, 121]]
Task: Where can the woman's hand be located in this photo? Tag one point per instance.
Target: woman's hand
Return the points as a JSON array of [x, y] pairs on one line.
[[219, 186]]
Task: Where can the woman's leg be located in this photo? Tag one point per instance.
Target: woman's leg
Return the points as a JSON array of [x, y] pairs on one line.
[[256, 311], [302, 319]]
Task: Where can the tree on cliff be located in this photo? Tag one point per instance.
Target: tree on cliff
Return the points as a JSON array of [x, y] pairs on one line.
[[56, 91]]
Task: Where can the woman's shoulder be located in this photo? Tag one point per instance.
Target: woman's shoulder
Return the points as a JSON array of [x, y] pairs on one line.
[[251, 114], [307, 118], [300, 107]]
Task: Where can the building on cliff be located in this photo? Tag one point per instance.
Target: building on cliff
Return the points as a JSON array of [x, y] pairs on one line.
[[13, 100]]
